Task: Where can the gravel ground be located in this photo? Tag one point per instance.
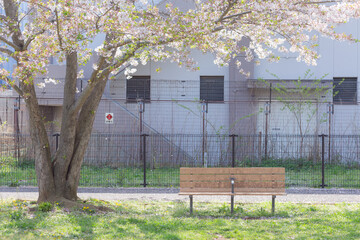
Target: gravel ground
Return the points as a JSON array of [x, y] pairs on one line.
[[296, 195]]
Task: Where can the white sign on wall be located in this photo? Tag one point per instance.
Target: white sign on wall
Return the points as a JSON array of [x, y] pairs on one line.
[[109, 118]]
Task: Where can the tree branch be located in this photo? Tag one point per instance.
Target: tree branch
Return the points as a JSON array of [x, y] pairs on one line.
[[87, 91], [227, 10], [236, 15], [4, 40], [30, 39], [94, 79], [320, 2], [58, 28], [6, 51], [13, 85], [17, 89]]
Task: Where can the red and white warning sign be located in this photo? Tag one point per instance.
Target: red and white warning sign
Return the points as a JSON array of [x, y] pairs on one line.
[[109, 118]]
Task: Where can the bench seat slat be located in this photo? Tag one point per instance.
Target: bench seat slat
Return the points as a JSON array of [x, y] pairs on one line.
[[256, 170], [234, 194], [227, 185], [236, 190], [214, 177]]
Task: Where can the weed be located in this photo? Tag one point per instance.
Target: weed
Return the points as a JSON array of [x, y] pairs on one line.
[[14, 183], [225, 209], [16, 215], [312, 209], [88, 210], [45, 207]]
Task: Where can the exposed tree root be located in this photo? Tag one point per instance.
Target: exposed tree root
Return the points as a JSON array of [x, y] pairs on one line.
[[79, 205]]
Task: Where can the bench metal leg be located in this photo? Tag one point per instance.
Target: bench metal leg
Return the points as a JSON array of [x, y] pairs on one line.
[[232, 204], [273, 204], [191, 204]]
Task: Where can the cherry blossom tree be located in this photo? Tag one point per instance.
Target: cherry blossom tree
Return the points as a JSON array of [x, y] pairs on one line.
[[135, 32]]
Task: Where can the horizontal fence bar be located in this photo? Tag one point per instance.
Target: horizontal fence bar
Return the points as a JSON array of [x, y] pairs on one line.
[[116, 160]]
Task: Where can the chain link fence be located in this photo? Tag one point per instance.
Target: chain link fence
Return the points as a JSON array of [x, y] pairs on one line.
[[133, 160]]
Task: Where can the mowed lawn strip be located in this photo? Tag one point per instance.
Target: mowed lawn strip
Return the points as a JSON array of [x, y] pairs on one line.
[[171, 220]]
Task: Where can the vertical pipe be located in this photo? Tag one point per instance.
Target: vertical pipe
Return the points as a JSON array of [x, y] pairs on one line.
[[259, 149], [191, 204], [273, 204], [204, 108], [323, 160], [233, 149], [144, 157], [203, 139], [142, 139], [331, 111], [141, 117], [270, 97], [7, 108], [266, 128], [16, 127], [232, 181], [56, 135]]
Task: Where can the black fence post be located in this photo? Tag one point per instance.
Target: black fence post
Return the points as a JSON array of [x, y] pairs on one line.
[[56, 135], [144, 157], [233, 149], [323, 160]]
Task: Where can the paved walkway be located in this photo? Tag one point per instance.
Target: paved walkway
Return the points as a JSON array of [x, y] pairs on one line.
[[296, 195]]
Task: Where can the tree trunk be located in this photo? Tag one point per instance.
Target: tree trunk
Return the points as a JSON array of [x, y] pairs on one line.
[[41, 145], [83, 133], [75, 133], [65, 151]]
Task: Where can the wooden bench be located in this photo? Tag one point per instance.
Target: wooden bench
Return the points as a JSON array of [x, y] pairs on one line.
[[232, 181]]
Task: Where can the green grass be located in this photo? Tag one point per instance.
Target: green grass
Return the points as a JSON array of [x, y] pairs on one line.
[[171, 220], [298, 174]]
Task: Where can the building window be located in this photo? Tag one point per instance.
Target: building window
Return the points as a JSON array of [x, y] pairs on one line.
[[345, 90], [212, 88], [138, 88]]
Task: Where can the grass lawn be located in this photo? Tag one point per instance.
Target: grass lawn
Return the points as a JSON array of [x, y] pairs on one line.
[[171, 220]]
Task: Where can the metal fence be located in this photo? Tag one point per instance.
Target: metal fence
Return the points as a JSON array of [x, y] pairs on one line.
[[119, 160]]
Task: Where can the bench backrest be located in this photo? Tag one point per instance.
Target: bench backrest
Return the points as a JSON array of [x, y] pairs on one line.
[[246, 180]]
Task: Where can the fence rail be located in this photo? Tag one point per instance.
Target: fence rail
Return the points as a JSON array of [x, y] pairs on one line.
[[123, 160]]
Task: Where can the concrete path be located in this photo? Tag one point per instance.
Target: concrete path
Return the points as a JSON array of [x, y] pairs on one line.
[[295, 195]]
